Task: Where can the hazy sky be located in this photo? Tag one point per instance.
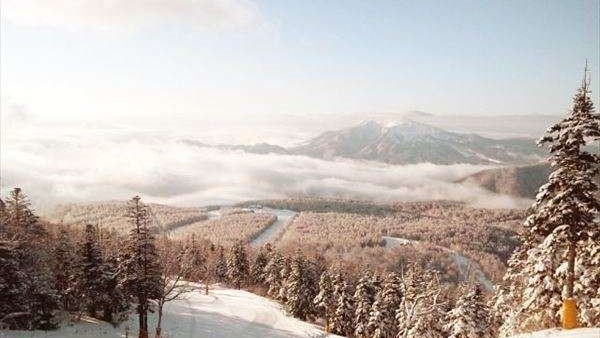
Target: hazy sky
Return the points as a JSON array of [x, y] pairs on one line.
[[180, 62]]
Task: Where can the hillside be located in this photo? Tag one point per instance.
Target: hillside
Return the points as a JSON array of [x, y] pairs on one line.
[[224, 313], [521, 181]]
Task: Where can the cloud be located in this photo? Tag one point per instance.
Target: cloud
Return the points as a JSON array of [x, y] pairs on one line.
[[101, 164], [131, 14]]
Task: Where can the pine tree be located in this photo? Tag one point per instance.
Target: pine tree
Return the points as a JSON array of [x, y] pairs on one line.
[[342, 320], [273, 274], [221, 266], [469, 318], [258, 266], [324, 301], [139, 267], [237, 265], [299, 296], [284, 273], [91, 278], [566, 206], [364, 296], [64, 268], [34, 257], [12, 284], [382, 321], [115, 303]]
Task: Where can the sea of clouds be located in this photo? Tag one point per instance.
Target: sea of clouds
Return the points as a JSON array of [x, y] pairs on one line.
[[79, 164]]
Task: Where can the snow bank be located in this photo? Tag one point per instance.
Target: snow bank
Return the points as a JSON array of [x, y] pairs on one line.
[[556, 333], [224, 313]]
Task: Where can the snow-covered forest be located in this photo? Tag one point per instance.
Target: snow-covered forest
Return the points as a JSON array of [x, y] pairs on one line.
[[332, 264]]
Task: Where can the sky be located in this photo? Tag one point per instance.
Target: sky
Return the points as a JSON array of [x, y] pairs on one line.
[[184, 62], [96, 95]]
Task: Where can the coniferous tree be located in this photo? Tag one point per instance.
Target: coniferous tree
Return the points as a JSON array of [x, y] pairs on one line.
[[588, 286], [64, 268], [469, 318], [284, 273], [12, 286], [342, 320], [364, 296], [273, 274], [559, 228], [34, 256], [237, 265], [382, 321], [139, 267], [90, 282], [221, 266], [299, 296], [257, 271], [324, 301]]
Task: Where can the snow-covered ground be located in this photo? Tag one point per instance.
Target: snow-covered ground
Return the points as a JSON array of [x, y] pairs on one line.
[[272, 232], [555, 333], [224, 313]]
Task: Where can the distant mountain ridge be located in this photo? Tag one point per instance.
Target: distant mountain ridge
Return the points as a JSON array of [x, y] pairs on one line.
[[408, 142]]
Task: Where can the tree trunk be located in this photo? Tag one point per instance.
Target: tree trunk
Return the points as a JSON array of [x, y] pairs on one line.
[[158, 324], [571, 269], [206, 288]]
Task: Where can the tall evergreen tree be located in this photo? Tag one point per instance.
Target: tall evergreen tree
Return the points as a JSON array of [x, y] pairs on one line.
[[64, 259], [91, 279], [273, 273], [364, 296], [257, 271], [299, 296], [221, 266], [382, 321], [566, 206], [139, 267], [34, 257], [324, 301], [342, 320], [12, 286], [469, 318], [237, 265]]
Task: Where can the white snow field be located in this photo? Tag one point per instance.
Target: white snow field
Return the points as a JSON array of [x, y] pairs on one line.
[[224, 313], [556, 333]]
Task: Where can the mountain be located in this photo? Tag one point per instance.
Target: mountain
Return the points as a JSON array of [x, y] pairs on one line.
[[413, 142], [523, 181], [258, 148]]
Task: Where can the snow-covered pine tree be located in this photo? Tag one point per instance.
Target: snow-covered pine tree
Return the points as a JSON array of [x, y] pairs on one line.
[[237, 265], [469, 318], [324, 300], [90, 280], [273, 273], [12, 286], [564, 212], [139, 268], [115, 303], [64, 258], [382, 321], [299, 297], [34, 257], [342, 321], [221, 266], [284, 274], [257, 271], [364, 296], [507, 300]]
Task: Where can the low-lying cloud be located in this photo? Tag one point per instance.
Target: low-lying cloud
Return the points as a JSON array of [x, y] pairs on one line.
[[131, 14], [75, 165]]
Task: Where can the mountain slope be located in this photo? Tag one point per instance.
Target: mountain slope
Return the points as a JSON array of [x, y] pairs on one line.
[[521, 181], [412, 142], [224, 313]]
